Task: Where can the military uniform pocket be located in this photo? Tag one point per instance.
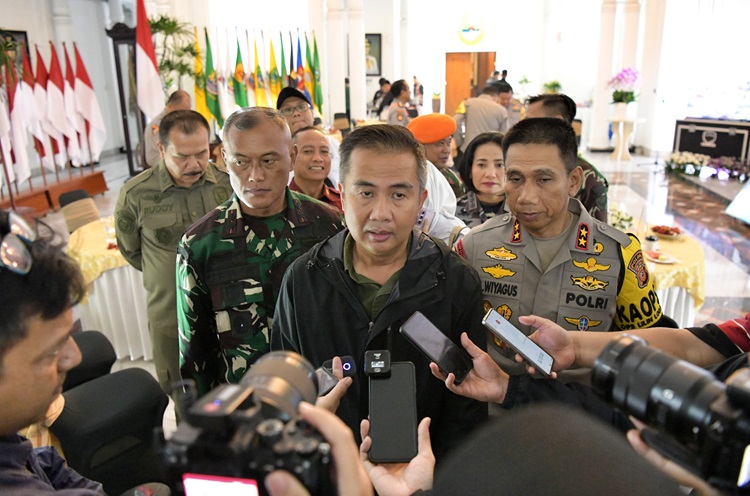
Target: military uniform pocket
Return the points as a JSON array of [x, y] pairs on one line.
[[162, 228], [237, 300]]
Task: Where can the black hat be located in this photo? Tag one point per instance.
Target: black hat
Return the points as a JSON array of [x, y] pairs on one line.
[[290, 92]]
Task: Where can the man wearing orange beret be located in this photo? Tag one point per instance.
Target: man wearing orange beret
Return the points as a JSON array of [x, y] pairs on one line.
[[435, 132]]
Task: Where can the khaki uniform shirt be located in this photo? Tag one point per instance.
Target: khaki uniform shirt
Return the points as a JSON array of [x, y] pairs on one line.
[[151, 215], [598, 281], [150, 138]]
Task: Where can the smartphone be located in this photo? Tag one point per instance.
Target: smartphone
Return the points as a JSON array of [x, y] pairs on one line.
[[436, 346], [393, 415], [519, 342]]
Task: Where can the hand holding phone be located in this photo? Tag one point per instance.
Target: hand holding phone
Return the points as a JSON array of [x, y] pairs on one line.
[[519, 342], [436, 346]]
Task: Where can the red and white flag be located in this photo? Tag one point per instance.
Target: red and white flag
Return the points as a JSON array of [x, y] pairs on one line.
[[88, 108], [40, 97], [17, 124], [56, 102], [5, 135], [150, 93], [76, 149], [41, 141]]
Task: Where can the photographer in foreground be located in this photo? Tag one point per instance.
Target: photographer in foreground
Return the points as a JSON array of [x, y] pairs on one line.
[[707, 403]]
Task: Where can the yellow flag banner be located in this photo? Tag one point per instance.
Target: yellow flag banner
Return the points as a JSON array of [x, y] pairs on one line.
[[200, 81]]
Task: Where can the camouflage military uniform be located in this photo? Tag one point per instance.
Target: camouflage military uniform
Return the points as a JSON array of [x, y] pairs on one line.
[[229, 271], [593, 192], [457, 185], [469, 209], [150, 217]]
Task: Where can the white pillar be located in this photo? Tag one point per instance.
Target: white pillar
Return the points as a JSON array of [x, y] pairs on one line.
[[630, 33], [357, 66], [650, 101], [335, 57], [598, 138], [62, 25], [116, 14], [402, 14], [393, 46]]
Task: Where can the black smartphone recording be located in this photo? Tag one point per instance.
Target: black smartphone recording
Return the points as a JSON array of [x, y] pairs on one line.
[[393, 415]]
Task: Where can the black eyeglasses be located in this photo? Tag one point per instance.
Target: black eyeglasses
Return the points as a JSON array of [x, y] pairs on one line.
[[14, 248], [286, 112]]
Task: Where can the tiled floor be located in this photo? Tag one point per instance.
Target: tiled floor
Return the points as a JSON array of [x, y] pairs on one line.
[[637, 187]]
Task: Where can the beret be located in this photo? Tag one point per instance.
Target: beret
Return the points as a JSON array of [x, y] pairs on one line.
[[432, 127]]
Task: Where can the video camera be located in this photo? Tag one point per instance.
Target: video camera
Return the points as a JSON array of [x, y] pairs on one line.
[[697, 421], [238, 433]]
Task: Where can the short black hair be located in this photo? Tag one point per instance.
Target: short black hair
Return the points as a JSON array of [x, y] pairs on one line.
[[468, 158], [382, 138], [398, 87], [545, 131], [185, 121], [504, 87], [250, 117], [556, 104], [177, 97], [505, 72], [491, 89], [306, 128], [53, 285], [496, 73]]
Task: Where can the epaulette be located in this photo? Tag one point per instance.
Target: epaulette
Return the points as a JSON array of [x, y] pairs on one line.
[[140, 178], [622, 238], [495, 222]]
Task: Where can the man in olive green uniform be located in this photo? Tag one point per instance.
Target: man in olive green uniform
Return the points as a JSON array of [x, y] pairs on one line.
[[153, 211], [230, 264], [594, 187]]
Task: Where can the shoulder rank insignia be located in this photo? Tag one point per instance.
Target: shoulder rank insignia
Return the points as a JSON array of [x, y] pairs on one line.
[[582, 241], [589, 283], [591, 265], [501, 253], [582, 323], [498, 271], [516, 238]]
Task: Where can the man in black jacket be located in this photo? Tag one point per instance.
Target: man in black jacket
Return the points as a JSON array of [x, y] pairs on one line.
[[352, 292]]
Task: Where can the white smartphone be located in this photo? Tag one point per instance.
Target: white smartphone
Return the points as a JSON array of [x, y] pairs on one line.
[[519, 342]]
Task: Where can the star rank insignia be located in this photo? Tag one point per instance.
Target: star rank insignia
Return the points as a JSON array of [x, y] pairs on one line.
[[582, 242], [516, 232]]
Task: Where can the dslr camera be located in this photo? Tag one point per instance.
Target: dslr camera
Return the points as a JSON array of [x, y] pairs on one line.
[[238, 433], [694, 419]]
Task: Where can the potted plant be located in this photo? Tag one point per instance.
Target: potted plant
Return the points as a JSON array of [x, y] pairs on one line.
[[175, 50], [553, 86], [623, 86]]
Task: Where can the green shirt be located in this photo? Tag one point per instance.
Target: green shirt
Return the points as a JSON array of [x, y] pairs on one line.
[[372, 295], [151, 215]]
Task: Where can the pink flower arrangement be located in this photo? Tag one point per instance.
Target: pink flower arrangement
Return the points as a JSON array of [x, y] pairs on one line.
[[624, 85]]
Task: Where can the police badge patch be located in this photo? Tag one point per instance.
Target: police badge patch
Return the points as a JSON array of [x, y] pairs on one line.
[[638, 267]]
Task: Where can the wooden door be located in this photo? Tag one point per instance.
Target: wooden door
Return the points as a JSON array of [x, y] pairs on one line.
[[465, 76]]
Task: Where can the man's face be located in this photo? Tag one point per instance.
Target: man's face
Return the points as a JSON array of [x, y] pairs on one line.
[[405, 95], [186, 156], [505, 98], [301, 114], [313, 161], [439, 152], [538, 188], [381, 200], [258, 161], [33, 370]]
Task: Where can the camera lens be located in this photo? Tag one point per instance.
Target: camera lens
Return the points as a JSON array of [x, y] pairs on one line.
[[282, 379], [656, 388]]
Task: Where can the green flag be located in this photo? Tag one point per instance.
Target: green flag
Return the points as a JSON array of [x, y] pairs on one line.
[[238, 80], [212, 95], [318, 94]]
